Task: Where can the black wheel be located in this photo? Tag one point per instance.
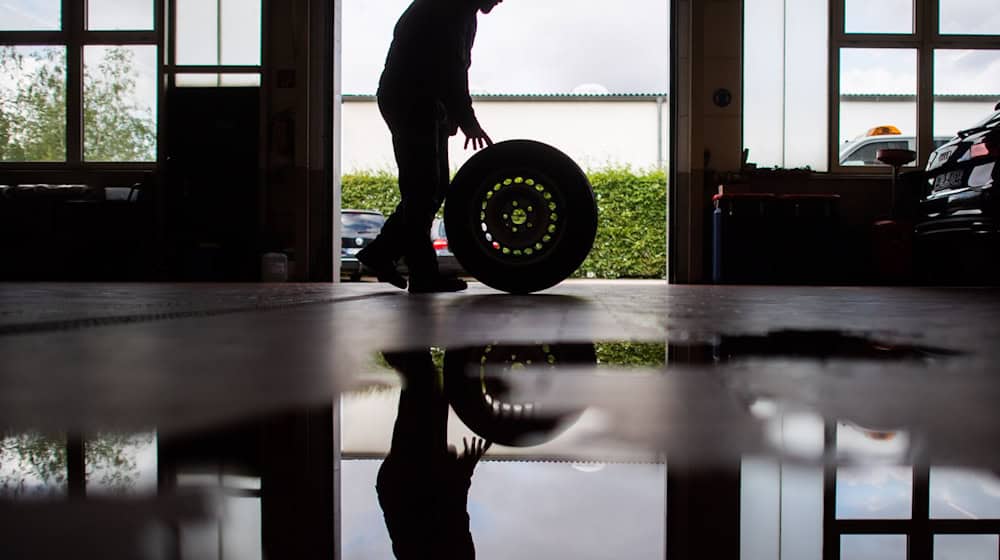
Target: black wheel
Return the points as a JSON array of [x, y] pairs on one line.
[[482, 400], [520, 216]]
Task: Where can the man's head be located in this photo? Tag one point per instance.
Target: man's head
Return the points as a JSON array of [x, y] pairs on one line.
[[486, 6]]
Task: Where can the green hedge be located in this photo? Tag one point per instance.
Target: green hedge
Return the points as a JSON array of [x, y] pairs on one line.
[[631, 235], [632, 354]]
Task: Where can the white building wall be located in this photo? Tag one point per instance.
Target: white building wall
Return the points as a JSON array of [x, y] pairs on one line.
[[606, 132], [594, 133]]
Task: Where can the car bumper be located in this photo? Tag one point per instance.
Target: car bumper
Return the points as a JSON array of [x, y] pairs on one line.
[[958, 250], [350, 265]]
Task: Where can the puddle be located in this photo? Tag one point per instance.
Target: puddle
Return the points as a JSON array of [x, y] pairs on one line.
[[597, 450]]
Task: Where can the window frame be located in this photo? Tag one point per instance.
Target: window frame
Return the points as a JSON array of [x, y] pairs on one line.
[[171, 69], [925, 39], [920, 529], [75, 37]]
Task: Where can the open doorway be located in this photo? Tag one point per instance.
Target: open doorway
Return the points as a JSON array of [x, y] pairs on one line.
[[590, 80]]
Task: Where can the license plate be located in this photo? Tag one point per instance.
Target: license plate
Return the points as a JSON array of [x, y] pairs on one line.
[[950, 180]]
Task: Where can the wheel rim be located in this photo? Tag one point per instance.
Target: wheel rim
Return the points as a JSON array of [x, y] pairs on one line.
[[521, 217], [512, 359]]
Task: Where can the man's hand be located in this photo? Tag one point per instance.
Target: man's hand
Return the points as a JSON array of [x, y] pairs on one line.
[[477, 136], [470, 457]]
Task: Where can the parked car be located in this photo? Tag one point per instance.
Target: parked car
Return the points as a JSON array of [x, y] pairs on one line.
[[358, 228], [862, 150], [958, 221], [447, 263]]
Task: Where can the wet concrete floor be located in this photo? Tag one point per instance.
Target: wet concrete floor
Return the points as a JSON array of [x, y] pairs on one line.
[[860, 402]]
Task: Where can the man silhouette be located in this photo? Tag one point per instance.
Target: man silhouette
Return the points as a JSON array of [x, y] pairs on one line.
[[423, 483], [423, 96]]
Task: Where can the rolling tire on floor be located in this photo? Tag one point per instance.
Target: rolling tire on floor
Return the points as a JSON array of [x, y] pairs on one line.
[[521, 216], [475, 387]]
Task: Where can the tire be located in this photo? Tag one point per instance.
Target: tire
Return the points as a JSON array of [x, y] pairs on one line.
[[521, 216], [482, 401]]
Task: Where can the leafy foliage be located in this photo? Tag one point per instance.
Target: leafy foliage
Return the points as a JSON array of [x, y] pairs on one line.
[[32, 464], [35, 464], [33, 107], [632, 354], [374, 190], [111, 460], [32, 104], [116, 128], [632, 222], [631, 233]]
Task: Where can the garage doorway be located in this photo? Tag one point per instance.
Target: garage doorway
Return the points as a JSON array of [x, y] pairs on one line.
[[590, 81]]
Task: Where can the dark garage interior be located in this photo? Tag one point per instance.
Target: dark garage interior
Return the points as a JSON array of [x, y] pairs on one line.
[[184, 374]]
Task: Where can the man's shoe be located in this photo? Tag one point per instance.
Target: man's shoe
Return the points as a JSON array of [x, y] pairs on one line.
[[439, 284], [384, 269]]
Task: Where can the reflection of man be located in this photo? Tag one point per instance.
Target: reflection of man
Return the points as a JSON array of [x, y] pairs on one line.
[[423, 484], [424, 98]]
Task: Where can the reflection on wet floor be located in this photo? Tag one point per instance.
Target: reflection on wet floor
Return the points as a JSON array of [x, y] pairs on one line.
[[582, 436], [40, 466], [517, 394]]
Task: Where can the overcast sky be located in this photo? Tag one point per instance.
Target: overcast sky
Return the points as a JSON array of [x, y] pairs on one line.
[[531, 46]]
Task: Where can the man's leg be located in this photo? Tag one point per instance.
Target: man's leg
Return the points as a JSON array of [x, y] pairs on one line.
[[413, 124], [436, 282], [419, 181]]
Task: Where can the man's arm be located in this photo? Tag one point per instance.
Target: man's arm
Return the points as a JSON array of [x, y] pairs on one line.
[[457, 99]]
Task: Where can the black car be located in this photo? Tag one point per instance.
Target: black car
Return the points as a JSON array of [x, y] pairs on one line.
[[958, 222], [358, 228]]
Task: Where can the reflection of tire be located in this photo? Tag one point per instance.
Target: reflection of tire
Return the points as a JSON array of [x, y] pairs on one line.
[[482, 401], [520, 216]]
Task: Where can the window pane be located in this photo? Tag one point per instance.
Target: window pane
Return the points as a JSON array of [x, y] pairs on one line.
[[878, 89], [964, 494], [119, 103], [34, 15], [880, 489], [197, 80], [966, 547], [882, 492], [966, 88], [785, 66], [763, 127], [241, 529], [200, 540], [218, 80], [881, 16], [241, 32], [873, 547], [121, 464], [199, 41], [240, 80], [970, 17], [32, 103], [197, 32], [120, 14], [806, 73], [32, 465]]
